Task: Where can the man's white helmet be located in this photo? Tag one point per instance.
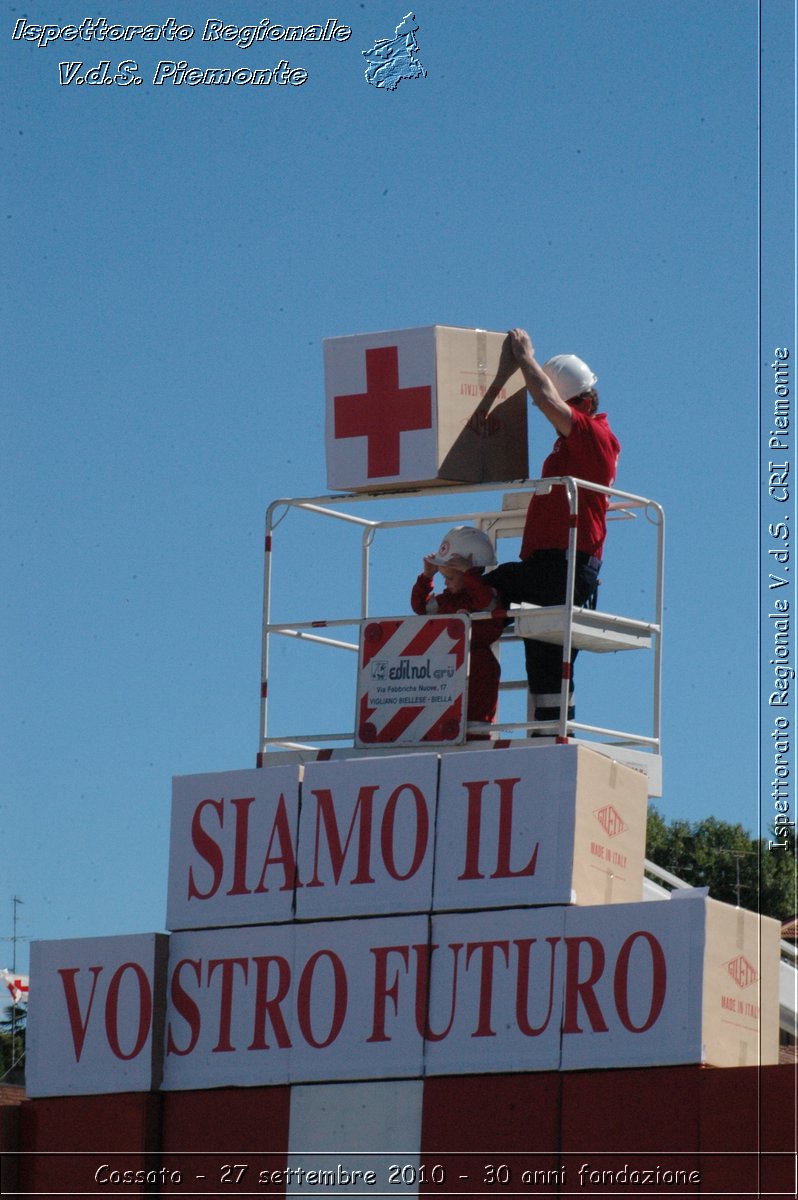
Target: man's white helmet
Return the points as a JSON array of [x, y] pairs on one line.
[[569, 375], [467, 542]]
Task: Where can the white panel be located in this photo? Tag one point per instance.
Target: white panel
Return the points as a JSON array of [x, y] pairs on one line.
[[498, 843], [379, 1121], [634, 985], [366, 836], [229, 1012], [378, 1037], [95, 1015], [345, 375], [326, 1000], [496, 987], [232, 848]]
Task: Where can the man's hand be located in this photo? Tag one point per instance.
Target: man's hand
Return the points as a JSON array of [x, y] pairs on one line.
[[429, 568], [522, 348], [543, 392]]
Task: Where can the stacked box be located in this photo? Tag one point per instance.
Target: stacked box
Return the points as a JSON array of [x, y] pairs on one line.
[[424, 406], [407, 917]]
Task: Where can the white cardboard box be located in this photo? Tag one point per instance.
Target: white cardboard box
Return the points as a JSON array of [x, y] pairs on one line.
[[685, 980], [96, 1015], [232, 849], [352, 837], [405, 407], [538, 825]]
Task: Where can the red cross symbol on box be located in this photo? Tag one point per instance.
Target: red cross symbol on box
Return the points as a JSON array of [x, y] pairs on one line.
[[383, 412]]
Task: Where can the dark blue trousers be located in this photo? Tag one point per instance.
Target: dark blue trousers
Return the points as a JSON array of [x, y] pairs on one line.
[[541, 579]]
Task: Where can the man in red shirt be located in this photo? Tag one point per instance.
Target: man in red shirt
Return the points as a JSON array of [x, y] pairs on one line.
[[563, 389]]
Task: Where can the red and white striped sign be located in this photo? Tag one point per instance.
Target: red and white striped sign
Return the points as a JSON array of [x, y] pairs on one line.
[[412, 681]]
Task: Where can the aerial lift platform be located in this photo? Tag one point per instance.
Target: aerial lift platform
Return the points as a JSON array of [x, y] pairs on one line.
[[573, 627]]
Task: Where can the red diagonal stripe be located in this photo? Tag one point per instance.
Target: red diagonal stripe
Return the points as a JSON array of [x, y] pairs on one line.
[[429, 632], [376, 636], [447, 726]]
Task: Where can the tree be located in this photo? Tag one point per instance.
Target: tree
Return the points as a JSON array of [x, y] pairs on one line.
[[729, 861], [12, 1044]]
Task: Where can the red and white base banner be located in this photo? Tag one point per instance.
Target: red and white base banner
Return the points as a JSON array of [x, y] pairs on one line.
[[333, 1132], [412, 678], [96, 1015], [679, 1131]]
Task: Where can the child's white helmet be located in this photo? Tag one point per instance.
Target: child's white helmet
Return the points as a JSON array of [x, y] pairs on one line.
[[467, 542], [570, 375]]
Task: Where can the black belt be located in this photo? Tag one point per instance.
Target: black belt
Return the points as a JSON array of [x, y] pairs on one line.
[[582, 557]]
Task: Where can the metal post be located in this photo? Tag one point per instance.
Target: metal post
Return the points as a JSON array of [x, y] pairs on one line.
[[570, 585], [264, 666]]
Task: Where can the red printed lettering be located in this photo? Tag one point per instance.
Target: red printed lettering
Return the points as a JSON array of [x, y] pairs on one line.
[[282, 832], [486, 950], [112, 1010], [187, 1008], [362, 816], [383, 990], [577, 989], [228, 965], [207, 848], [659, 979], [388, 829], [522, 986], [304, 998], [268, 1007], [77, 1023]]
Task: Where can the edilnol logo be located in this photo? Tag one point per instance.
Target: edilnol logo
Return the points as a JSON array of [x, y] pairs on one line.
[[405, 670], [610, 820], [390, 60], [742, 971]]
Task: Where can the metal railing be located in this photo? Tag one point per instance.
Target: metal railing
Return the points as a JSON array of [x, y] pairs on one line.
[[497, 523]]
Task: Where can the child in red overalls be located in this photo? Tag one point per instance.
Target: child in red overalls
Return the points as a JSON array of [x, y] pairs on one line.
[[463, 555]]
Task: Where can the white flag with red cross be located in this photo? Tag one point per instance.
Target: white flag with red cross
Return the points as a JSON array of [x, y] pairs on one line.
[[412, 679], [17, 985]]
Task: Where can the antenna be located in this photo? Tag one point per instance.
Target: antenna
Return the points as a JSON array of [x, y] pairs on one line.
[[738, 854], [16, 901]]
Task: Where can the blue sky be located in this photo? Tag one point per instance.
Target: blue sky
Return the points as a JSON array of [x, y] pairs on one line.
[[174, 257]]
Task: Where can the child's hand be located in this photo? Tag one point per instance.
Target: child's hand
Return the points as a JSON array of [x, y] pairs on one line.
[[429, 567]]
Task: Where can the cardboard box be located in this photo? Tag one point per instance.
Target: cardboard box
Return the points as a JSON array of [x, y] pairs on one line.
[[407, 407], [525, 827], [232, 849], [740, 1009], [538, 825], [684, 980], [96, 1015]]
